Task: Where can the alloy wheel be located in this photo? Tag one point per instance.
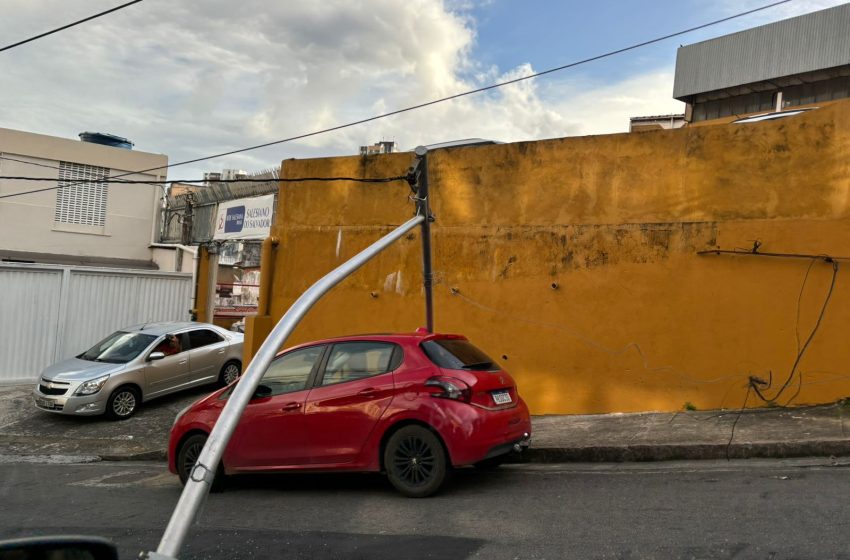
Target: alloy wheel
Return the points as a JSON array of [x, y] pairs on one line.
[[124, 403], [230, 374], [414, 461]]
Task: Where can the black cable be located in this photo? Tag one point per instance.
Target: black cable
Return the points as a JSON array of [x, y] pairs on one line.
[[482, 89], [812, 335], [735, 423], [248, 180], [451, 97], [115, 9], [799, 300]]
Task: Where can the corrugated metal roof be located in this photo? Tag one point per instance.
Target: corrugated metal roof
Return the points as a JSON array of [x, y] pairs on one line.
[[814, 41]]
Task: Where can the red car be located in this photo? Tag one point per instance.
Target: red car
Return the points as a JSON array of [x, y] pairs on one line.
[[411, 405]]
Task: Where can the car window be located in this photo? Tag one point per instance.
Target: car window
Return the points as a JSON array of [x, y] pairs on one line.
[[172, 344], [118, 348], [458, 354], [356, 360], [203, 337], [291, 371]]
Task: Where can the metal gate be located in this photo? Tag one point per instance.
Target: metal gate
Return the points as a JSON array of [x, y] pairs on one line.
[[50, 312]]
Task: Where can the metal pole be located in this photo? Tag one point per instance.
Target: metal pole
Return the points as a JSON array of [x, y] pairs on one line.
[[423, 208], [197, 487]]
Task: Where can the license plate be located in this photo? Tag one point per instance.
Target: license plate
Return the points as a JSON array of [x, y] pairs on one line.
[[45, 403], [502, 397]]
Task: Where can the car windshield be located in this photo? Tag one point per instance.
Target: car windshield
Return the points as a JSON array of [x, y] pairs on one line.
[[458, 354], [118, 348]]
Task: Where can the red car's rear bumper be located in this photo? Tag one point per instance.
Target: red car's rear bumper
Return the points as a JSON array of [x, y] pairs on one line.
[[475, 433]]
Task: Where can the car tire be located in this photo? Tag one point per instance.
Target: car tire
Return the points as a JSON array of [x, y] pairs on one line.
[[187, 456], [230, 372], [123, 402], [415, 462]]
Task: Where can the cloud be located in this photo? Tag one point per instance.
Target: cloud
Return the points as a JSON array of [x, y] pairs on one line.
[[199, 77]]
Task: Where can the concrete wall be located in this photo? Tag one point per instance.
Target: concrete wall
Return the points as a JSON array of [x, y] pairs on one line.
[[574, 261], [27, 222]]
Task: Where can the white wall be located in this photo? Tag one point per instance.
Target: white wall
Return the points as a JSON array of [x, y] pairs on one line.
[[27, 222], [52, 312]]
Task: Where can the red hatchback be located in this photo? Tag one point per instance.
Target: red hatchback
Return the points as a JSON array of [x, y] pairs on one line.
[[411, 405]]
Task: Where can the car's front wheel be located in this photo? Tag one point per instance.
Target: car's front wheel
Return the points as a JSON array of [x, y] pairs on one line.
[[229, 373], [123, 403], [415, 461], [188, 455]]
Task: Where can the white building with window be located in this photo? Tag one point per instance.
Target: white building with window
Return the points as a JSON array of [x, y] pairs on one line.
[[68, 222]]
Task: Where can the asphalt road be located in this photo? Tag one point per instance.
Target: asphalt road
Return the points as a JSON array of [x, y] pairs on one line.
[[745, 509]]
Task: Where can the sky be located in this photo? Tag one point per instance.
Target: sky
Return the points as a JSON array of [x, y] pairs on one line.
[[192, 78]]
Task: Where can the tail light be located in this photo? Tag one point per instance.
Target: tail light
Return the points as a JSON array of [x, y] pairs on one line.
[[450, 388]]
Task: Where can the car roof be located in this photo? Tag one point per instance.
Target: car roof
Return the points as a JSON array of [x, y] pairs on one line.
[[163, 327], [419, 335]]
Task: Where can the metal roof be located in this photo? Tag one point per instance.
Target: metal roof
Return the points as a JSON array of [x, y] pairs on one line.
[[806, 43]]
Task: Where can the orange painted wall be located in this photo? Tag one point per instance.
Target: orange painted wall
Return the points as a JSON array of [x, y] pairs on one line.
[[636, 320]]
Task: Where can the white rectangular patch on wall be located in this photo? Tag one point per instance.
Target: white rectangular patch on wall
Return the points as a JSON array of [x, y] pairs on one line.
[[246, 218]]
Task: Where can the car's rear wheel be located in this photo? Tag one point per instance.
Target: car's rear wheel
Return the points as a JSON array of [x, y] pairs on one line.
[[188, 455], [415, 461], [123, 402], [229, 373]]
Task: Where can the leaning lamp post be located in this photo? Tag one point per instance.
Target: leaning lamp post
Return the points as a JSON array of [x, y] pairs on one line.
[[200, 479]]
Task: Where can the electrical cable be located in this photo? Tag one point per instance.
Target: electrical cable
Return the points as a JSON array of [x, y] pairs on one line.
[[811, 336], [799, 301], [246, 180], [735, 423], [490, 87], [58, 29], [458, 95], [77, 182]]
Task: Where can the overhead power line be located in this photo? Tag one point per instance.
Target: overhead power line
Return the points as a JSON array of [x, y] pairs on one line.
[[444, 99], [483, 89], [58, 29], [245, 180], [76, 182]]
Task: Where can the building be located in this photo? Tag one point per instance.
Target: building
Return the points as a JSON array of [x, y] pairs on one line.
[[382, 147], [791, 63], [94, 223], [658, 122], [224, 175]]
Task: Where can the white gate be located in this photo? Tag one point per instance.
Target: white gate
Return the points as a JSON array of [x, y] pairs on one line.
[[50, 312]]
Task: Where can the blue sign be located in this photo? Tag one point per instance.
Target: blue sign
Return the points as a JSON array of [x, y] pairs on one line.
[[235, 219]]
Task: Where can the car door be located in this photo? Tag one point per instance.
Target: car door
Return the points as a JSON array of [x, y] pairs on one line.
[[170, 372], [207, 351], [271, 434], [354, 390]]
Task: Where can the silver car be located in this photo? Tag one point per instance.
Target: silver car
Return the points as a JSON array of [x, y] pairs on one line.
[[137, 364]]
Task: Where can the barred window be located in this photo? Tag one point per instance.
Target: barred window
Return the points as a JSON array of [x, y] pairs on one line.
[[81, 203]]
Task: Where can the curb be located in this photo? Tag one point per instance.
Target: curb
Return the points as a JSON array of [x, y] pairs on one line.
[[158, 455], [690, 452]]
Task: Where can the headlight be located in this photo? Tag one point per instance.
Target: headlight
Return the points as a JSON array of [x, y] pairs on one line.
[[91, 387]]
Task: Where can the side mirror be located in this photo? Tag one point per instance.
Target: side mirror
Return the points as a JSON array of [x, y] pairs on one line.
[[36, 548], [262, 391], [156, 356]]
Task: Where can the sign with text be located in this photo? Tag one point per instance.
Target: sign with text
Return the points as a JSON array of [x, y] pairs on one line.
[[246, 218]]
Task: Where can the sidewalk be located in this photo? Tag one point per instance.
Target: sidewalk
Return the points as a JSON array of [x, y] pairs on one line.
[[768, 433]]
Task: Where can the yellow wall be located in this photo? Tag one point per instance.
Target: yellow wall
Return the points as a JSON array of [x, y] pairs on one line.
[[637, 320]]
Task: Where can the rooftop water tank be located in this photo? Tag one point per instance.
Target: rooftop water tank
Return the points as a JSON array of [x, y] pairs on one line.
[[106, 140]]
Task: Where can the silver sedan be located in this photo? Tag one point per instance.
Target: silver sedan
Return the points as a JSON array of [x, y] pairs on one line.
[[137, 364]]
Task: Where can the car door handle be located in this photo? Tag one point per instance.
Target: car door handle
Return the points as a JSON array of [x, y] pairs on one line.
[[183, 362], [370, 392], [291, 406]]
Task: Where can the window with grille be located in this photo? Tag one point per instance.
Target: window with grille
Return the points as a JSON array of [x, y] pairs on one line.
[[81, 202]]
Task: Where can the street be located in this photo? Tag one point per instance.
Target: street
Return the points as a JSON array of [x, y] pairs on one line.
[[708, 509]]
